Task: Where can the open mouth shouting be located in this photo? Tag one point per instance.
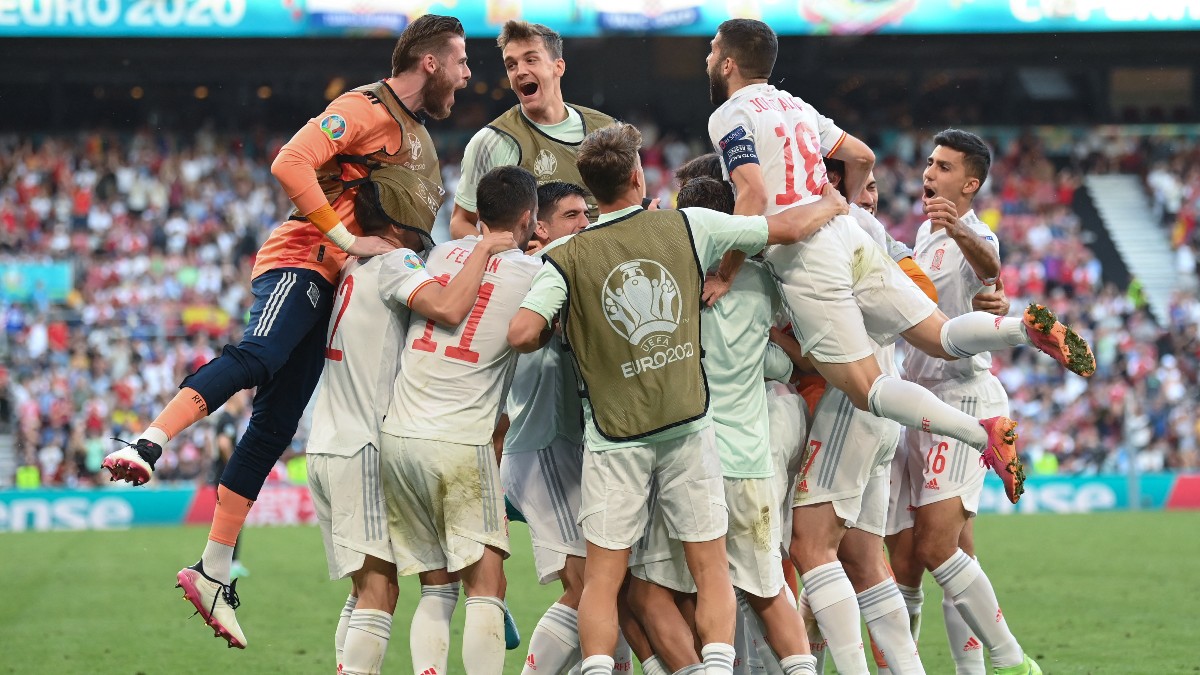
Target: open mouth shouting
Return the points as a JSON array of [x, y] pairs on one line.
[[528, 89]]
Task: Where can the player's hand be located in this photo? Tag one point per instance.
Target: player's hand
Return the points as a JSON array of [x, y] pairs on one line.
[[495, 242], [831, 194], [653, 205], [715, 287], [365, 247], [943, 213], [995, 302]]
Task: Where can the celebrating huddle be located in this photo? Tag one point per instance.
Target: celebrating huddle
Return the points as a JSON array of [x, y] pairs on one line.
[[681, 403]]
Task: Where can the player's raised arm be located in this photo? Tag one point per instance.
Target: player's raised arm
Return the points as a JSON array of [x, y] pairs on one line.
[[450, 304], [313, 146], [800, 222], [463, 222], [859, 161]]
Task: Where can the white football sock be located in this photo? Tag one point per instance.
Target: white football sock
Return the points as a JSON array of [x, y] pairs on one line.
[[965, 648], [599, 664], [652, 666], [974, 333], [623, 656], [366, 642], [339, 636], [963, 579], [799, 664], [554, 642], [718, 658], [817, 644], [913, 599], [429, 634], [831, 597], [483, 636], [761, 658], [886, 617], [155, 435], [217, 558], [917, 408], [741, 642]]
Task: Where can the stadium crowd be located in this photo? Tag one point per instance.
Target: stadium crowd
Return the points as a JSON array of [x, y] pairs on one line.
[[160, 230]]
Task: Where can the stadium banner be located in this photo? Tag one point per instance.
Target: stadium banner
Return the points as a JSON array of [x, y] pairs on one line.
[[1091, 494], [286, 504], [581, 18], [121, 508], [27, 281]]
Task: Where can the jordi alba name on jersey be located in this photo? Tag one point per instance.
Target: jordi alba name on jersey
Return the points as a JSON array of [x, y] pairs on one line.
[[785, 136]]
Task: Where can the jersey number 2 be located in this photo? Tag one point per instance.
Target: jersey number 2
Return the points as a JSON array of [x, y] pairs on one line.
[[810, 157], [345, 290], [462, 351]]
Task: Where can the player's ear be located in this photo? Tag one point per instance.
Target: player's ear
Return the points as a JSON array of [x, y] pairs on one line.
[[560, 67], [972, 186], [429, 64], [540, 230]]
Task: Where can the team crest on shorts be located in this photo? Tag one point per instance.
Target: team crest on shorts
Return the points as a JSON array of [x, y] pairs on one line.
[[314, 293], [412, 262], [334, 126], [641, 298], [545, 165]]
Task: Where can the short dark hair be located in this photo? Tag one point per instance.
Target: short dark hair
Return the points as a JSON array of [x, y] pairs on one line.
[[606, 160], [707, 193], [837, 166], [751, 44], [707, 165], [427, 35], [503, 194], [550, 194], [976, 155], [517, 31]]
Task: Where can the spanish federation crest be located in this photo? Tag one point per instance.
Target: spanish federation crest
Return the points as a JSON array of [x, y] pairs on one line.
[[545, 165], [641, 302]]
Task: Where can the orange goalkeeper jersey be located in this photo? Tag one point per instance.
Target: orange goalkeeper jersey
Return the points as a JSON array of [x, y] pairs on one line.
[[357, 124]]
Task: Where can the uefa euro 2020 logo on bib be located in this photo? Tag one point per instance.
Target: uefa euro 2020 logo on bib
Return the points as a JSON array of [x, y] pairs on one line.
[[641, 302]]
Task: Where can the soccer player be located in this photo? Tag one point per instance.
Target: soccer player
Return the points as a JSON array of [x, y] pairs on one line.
[[541, 133], [846, 467], [633, 326], [938, 493], [363, 354], [282, 349], [445, 503], [738, 355], [543, 456], [845, 296]]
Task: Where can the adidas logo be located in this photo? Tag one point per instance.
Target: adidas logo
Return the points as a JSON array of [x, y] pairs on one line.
[[932, 484], [972, 645], [925, 423], [429, 671], [803, 486], [999, 615], [529, 662]]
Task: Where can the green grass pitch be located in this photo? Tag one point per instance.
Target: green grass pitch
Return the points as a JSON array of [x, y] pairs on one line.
[[1109, 593]]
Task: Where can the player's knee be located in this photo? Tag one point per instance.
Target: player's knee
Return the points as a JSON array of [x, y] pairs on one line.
[[932, 552]]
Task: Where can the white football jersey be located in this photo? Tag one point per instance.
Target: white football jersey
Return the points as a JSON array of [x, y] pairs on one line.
[[362, 352], [452, 380], [957, 283], [763, 125], [885, 356]]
